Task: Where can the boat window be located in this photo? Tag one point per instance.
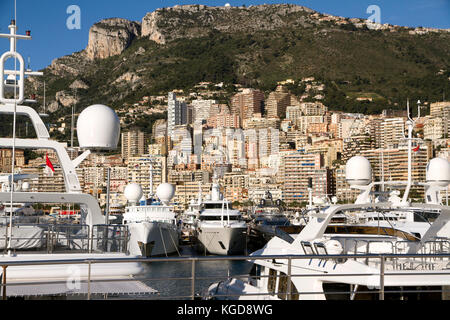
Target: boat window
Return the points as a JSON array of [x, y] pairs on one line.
[[255, 273], [425, 216], [222, 245], [283, 288], [216, 206], [271, 282], [215, 218]]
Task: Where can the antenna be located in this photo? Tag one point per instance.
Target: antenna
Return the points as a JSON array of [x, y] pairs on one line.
[[13, 42], [410, 124], [44, 97]]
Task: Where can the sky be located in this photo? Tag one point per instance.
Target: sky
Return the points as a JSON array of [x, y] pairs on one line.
[[47, 19]]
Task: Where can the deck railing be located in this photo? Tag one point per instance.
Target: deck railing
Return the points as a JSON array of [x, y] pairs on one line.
[[287, 292], [71, 237]]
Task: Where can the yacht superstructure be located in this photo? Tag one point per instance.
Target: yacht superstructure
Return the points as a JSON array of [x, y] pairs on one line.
[[220, 229], [99, 240], [152, 224]]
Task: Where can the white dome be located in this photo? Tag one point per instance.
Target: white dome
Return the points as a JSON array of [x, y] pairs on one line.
[[334, 247], [438, 172], [165, 192], [358, 171], [98, 127], [25, 186], [133, 192]]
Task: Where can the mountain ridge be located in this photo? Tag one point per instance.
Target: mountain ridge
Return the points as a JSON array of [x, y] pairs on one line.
[[177, 47]]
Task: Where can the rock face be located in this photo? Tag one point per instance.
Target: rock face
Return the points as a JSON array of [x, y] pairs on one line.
[[111, 37], [189, 21], [65, 99], [78, 84], [150, 28]]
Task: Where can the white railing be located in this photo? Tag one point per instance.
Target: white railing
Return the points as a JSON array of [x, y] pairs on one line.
[[289, 293]]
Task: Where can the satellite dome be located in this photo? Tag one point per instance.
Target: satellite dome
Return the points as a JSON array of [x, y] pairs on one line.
[[438, 172], [25, 186], [98, 127], [133, 192], [358, 171], [165, 192], [334, 247]]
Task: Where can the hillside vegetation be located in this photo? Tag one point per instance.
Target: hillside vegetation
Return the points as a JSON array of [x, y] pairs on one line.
[[197, 44]]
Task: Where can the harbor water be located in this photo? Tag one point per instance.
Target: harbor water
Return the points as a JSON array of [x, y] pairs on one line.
[[179, 289]]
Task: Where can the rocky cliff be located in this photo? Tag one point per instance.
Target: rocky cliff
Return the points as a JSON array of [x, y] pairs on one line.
[[190, 21], [111, 37]]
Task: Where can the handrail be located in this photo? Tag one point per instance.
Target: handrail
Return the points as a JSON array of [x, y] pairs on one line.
[[194, 260]]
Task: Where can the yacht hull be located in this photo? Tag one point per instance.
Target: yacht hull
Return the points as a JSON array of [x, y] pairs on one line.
[[162, 237], [222, 240]]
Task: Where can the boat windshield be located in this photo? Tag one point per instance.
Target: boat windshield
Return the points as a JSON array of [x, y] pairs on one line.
[[215, 218], [216, 205]]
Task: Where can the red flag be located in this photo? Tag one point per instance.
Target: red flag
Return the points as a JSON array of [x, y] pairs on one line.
[[416, 148], [49, 165]]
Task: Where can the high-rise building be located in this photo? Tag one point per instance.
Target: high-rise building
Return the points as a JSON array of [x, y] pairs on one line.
[[202, 109], [313, 108], [247, 102], [343, 190], [374, 130], [296, 167], [442, 110], [133, 143], [139, 171], [235, 186], [392, 131], [176, 113], [354, 145], [434, 128], [182, 144], [6, 156], [277, 102], [391, 164]]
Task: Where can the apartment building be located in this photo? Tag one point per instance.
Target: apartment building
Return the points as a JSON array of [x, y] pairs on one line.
[[296, 167], [247, 103], [176, 113], [277, 102], [138, 171], [133, 144]]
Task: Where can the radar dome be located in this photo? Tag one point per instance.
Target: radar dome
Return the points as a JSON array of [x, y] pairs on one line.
[[358, 171], [133, 192], [98, 127], [165, 192], [25, 186], [334, 247], [438, 172]]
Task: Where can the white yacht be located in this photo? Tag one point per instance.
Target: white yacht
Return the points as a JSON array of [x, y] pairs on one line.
[[285, 275], [269, 213], [103, 242], [220, 229], [320, 278], [152, 224]]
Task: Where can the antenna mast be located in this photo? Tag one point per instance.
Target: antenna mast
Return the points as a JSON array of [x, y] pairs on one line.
[[410, 124]]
